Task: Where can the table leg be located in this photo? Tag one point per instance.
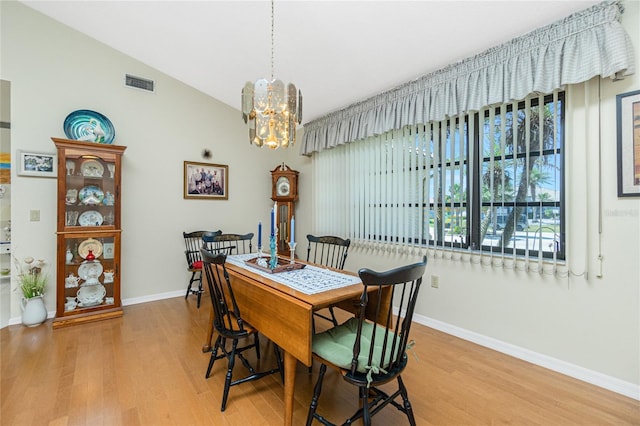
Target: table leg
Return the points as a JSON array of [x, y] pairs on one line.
[[207, 344], [290, 363]]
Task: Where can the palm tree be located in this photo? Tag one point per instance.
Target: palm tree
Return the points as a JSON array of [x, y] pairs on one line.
[[539, 139]]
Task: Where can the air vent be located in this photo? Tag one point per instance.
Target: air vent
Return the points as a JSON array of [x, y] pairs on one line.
[[140, 83]]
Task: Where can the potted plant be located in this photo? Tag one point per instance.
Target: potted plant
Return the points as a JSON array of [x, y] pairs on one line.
[[32, 282]]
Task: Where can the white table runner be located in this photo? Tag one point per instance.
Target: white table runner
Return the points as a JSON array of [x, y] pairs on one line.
[[308, 280]]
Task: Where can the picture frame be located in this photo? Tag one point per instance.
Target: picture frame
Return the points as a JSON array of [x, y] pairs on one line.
[[628, 134], [38, 164], [107, 252], [205, 181]]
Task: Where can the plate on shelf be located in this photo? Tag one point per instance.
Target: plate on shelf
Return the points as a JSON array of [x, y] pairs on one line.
[[90, 218], [91, 295], [90, 244], [91, 195], [92, 168], [89, 126], [89, 269]]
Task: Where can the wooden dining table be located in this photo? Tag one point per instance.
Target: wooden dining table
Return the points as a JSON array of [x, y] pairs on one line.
[[285, 316]]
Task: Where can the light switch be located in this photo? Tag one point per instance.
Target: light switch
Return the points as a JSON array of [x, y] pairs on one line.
[[34, 215]]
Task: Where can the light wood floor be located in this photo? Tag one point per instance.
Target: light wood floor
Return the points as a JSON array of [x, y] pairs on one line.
[[147, 368]]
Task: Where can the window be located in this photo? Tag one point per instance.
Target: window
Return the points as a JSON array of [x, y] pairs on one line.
[[489, 181]]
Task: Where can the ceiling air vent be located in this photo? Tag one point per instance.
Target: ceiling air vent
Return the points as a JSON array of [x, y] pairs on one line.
[[140, 83]]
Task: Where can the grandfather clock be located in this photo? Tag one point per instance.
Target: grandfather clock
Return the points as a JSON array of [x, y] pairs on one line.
[[284, 191]]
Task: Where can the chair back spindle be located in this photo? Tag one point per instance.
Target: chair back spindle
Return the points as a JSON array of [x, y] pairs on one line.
[[193, 242], [229, 243], [328, 250]]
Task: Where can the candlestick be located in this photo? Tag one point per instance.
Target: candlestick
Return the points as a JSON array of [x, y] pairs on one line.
[[259, 238], [292, 250], [272, 222], [293, 219], [273, 262], [275, 216]]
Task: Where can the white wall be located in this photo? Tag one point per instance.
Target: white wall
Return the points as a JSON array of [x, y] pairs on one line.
[[588, 327], [53, 71], [591, 324]]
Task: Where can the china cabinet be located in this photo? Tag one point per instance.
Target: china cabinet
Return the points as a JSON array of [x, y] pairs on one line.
[[88, 232]]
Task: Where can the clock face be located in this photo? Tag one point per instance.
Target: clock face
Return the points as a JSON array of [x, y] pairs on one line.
[[282, 186]]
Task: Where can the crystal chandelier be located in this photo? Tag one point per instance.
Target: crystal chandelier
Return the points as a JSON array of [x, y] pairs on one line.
[[271, 110]]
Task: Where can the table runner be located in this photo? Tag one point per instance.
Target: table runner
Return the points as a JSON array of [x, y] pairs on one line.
[[308, 280]]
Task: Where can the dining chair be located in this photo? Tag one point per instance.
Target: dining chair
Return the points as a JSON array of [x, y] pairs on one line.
[[193, 241], [230, 326], [329, 251], [229, 243], [369, 354]]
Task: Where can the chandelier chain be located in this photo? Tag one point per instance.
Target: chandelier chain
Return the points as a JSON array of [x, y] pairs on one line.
[[272, 40]]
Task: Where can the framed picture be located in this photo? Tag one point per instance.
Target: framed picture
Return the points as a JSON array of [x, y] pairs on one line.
[[108, 250], [628, 120], [206, 181], [37, 164]]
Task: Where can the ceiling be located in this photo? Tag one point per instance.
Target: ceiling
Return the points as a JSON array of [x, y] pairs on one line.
[[336, 52]]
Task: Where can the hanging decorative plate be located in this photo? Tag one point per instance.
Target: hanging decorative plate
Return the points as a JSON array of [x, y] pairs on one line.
[[89, 126], [92, 168], [90, 218], [90, 244], [91, 195]]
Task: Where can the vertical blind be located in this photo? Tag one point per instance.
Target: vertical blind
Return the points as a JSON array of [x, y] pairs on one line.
[[411, 191]]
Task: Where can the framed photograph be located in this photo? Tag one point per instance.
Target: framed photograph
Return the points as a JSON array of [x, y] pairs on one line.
[[206, 181], [37, 164], [628, 120], [108, 250]]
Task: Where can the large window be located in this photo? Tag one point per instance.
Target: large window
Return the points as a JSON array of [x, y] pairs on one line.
[[489, 181]]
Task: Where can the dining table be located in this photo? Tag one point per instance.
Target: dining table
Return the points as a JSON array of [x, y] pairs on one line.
[[280, 306]]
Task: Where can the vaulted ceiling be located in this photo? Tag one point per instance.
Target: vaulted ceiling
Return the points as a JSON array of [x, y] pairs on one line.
[[336, 52]]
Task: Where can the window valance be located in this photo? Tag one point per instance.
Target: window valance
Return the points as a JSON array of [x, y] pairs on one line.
[[573, 50]]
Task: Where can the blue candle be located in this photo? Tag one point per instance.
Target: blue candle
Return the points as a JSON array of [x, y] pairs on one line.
[[259, 234], [293, 220], [272, 221]]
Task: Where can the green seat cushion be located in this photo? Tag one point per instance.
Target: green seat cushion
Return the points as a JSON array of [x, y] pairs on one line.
[[336, 345]]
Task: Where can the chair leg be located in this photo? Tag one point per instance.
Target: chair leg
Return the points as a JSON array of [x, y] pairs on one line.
[[276, 349], [191, 280], [214, 355], [231, 359], [364, 401], [200, 291], [316, 395], [407, 405], [256, 341]]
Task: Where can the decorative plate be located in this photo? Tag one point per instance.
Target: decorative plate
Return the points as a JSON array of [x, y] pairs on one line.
[[88, 270], [91, 295], [91, 195], [92, 168], [90, 218], [90, 244], [89, 126]]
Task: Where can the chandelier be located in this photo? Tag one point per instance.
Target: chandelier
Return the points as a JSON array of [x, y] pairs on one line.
[[270, 109]]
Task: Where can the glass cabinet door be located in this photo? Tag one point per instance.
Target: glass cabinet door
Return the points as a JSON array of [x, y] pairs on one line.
[[90, 272], [91, 191]]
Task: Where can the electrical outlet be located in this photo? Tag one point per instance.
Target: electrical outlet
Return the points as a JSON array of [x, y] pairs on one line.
[[435, 281], [34, 215]]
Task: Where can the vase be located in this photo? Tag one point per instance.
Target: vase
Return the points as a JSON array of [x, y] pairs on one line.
[[34, 312]]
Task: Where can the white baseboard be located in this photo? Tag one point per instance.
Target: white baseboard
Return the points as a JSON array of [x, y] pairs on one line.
[[125, 302], [613, 384]]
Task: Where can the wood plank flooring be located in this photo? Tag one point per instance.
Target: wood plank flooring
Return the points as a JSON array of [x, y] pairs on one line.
[[147, 368]]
